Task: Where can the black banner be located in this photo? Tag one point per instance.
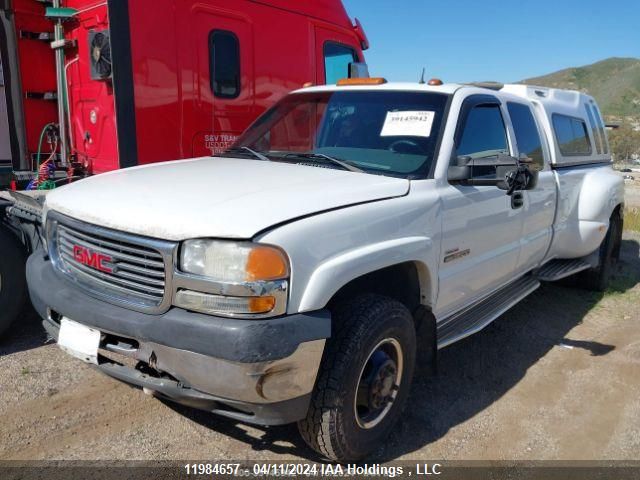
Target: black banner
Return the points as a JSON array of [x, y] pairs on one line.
[[440, 470]]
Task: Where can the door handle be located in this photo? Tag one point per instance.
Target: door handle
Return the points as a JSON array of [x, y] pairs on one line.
[[517, 200]]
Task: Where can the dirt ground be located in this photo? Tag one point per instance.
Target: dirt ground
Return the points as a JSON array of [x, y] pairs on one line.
[[557, 377]]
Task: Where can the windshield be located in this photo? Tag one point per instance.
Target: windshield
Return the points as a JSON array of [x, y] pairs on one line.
[[384, 132]]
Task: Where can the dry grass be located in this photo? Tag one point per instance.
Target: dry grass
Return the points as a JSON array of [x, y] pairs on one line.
[[632, 219]]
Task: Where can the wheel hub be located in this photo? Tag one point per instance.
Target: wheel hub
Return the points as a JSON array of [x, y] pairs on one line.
[[379, 383], [382, 383]]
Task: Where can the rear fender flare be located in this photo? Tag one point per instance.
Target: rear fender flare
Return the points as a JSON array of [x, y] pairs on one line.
[[600, 194]]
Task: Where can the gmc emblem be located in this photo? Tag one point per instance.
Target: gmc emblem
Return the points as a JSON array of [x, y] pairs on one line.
[[94, 260]]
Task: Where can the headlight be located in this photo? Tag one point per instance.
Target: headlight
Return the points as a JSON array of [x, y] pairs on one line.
[[247, 279], [233, 262]]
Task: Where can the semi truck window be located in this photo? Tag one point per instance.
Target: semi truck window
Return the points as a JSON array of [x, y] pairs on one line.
[[224, 64], [594, 128], [337, 58], [527, 133], [572, 135]]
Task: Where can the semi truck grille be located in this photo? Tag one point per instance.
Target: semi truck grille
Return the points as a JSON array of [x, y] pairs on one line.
[[121, 267]]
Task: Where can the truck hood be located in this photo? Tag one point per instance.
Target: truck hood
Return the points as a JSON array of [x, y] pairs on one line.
[[215, 197]]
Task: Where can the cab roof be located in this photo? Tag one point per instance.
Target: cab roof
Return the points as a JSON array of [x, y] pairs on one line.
[[332, 11], [546, 96]]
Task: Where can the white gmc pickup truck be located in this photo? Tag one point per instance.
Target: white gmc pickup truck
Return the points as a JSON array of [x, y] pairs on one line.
[[349, 234]]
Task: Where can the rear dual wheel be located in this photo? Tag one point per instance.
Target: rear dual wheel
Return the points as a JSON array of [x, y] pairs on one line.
[[364, 378], [598, 278]]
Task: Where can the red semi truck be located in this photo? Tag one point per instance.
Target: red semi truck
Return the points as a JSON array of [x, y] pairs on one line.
[[90, 86]]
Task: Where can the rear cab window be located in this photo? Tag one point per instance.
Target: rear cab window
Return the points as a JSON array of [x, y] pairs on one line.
[[337, 58], [527, 133]]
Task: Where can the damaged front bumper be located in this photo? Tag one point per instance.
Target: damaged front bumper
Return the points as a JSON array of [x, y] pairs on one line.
[[258, 371]]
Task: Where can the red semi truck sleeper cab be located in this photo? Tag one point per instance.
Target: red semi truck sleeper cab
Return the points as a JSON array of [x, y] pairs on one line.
[[156, 80]]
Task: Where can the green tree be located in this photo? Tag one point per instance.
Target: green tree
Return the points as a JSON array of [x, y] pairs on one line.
[[625, 143]]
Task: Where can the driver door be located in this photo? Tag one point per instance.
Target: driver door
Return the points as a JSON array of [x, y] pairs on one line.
[[481, 229]]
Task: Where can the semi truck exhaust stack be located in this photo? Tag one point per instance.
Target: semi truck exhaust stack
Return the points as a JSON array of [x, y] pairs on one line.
[[58, 45]]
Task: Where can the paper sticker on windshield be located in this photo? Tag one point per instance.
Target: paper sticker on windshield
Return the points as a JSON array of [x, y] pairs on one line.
[[408, 124]]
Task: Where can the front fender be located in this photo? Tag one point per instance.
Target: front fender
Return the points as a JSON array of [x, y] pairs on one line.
[[329, 250], [338, 271]]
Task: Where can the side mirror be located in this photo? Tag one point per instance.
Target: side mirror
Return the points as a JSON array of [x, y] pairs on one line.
[[358, 70], [460, 170], [529, 163], [511, 173]]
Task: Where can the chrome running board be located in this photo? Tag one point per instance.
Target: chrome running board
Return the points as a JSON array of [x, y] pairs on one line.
[[476, 317]]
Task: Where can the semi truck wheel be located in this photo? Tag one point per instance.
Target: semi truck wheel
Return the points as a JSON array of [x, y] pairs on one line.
[[13, 287], [364, 378], [597, 279]]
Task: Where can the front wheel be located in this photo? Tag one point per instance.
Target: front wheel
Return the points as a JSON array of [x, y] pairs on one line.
[[364, 378]]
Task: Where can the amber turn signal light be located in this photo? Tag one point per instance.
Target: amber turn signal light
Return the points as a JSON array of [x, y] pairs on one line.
[[266, 263], [261, 304], [347, 82]]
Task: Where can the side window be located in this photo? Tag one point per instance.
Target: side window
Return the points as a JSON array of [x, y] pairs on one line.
[[595, 129], [527, 133], [572, 135], [602, 129], [337, 58], [484, 133], [224, 64]]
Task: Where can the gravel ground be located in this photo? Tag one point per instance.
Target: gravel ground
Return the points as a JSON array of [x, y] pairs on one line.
[[554, 378]]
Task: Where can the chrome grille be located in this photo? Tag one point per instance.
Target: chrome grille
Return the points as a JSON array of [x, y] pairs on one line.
[[121, 267]]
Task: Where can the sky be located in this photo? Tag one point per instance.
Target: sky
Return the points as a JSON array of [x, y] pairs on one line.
[[506, 41]]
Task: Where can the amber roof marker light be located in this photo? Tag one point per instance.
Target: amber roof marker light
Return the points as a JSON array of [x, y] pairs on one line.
[[435, 82], [352, 82]]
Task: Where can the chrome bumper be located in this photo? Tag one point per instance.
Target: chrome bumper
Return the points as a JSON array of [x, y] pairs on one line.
[[262, 382], [273, 392]]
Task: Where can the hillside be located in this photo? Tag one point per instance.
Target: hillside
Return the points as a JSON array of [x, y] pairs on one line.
[[614, 83]]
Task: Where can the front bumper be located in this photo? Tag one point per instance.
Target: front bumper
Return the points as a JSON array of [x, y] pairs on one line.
[[259, 371]]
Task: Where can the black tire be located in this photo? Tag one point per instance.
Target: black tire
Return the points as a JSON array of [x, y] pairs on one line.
[[332, 426], [597, 279], [13, 285]]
